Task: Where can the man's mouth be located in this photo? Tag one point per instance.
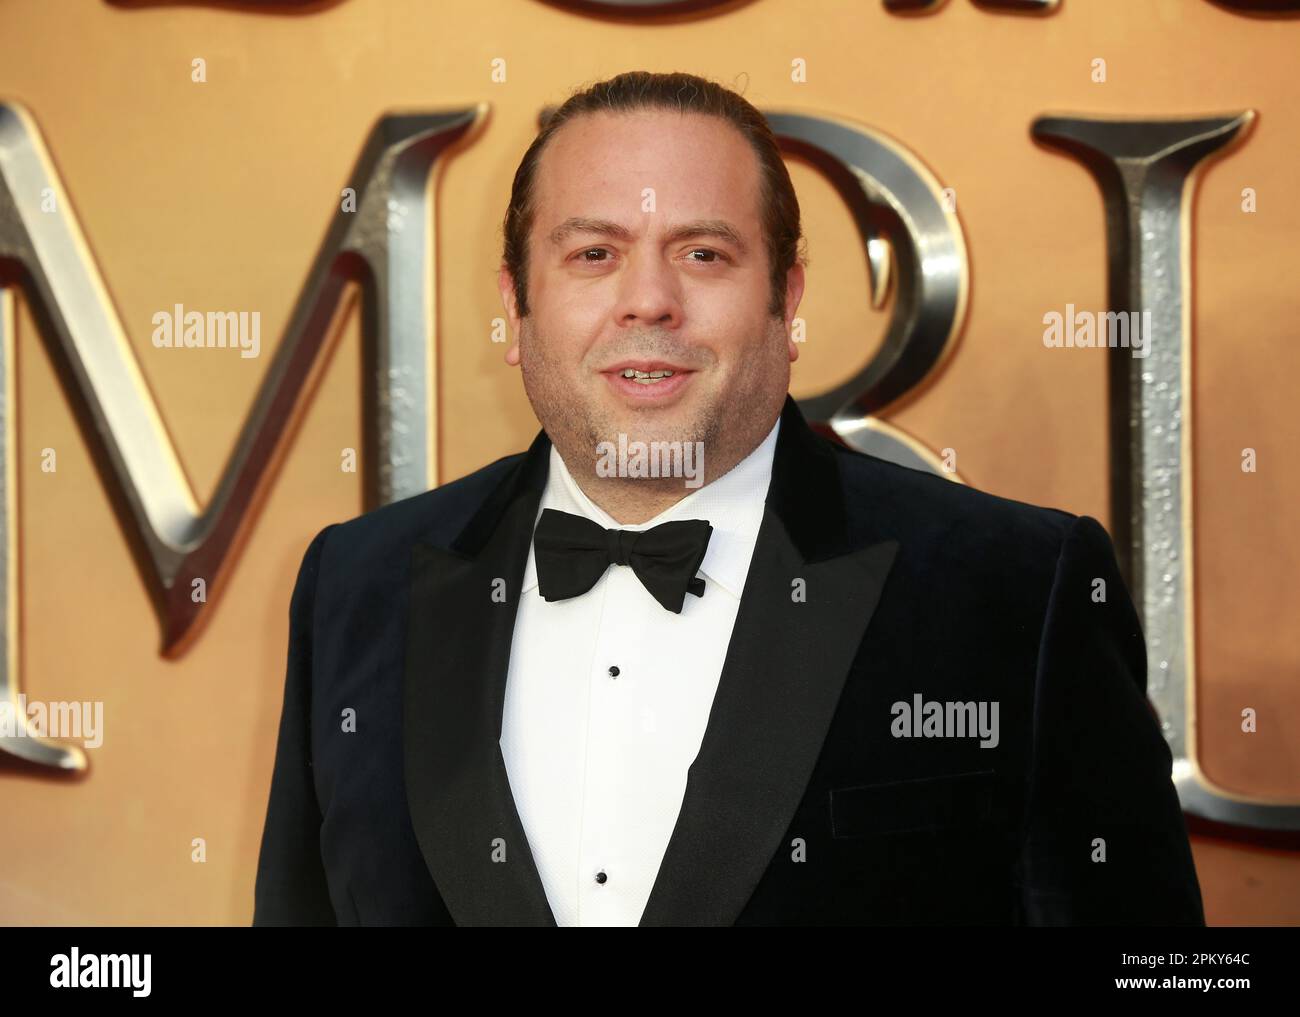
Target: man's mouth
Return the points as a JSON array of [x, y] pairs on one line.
[[646, 377], [647, 380]]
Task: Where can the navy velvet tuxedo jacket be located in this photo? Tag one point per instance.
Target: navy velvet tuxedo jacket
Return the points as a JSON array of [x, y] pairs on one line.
[[810, 802]]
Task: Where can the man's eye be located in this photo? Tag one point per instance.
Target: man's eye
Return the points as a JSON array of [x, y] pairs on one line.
[[586, 256]]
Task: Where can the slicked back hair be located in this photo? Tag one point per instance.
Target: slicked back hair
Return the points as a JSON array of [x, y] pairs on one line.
[[685, 93]]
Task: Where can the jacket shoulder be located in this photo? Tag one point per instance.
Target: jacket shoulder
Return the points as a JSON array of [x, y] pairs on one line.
[[435, 516], [949, 521]]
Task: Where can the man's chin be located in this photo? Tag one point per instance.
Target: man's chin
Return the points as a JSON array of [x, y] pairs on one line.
[[659, 424]]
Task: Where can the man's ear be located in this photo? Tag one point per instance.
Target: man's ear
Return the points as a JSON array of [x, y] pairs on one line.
[[794, 284], [506, 284]]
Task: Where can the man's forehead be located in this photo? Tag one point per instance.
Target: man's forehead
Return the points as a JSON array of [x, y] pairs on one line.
[[712, 195]]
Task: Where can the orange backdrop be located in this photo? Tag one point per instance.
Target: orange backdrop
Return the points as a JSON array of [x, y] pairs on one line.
[[216, 195]]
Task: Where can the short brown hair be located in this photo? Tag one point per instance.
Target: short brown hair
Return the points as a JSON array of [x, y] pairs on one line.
[[686, 93]]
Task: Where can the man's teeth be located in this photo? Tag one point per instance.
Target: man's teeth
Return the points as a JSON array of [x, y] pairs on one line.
[[646, 377]]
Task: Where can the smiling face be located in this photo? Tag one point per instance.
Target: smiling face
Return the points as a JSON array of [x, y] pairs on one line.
[[647, 252]]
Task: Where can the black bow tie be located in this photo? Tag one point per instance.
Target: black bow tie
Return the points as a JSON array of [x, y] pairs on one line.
[[572, 553]]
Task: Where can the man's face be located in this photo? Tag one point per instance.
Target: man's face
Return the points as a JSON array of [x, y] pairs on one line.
[[647, 252]]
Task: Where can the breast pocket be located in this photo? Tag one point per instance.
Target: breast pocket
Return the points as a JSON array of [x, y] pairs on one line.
[[950, 801]]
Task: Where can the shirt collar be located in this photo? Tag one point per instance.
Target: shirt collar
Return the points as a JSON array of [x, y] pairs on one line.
[[732, 504]]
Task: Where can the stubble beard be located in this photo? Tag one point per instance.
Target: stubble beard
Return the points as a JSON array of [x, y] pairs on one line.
[[578, 421]]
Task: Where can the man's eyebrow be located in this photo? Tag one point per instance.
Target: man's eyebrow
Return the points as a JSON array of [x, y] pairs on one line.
[[581, 224], [719, 229]]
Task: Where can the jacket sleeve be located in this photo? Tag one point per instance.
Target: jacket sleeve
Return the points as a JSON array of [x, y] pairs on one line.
[[291, 887], [1104, 841]]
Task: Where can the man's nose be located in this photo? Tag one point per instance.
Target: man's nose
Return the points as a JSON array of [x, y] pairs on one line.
[[648, 292]]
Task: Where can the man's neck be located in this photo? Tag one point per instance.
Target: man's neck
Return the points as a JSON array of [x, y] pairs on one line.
[[632, 500]]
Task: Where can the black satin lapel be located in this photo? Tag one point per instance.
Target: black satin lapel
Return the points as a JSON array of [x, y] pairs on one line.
[[784, 671], [457, 660], [781, 680]]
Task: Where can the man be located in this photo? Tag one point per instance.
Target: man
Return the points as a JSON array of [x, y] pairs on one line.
[[774, 681]]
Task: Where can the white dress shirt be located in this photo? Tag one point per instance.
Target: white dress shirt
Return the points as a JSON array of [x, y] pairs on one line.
[[597, 761]]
